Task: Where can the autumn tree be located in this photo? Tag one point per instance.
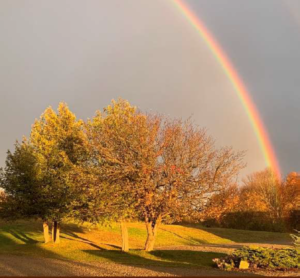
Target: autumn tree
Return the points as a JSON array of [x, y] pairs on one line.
[[2, 195], [113, 171], [264, 192], [225, 201], [169, 169], [188, 170], [262, 202], [121, 165], [290, 192]]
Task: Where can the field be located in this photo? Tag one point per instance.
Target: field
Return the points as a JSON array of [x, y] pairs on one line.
[[177, 246]]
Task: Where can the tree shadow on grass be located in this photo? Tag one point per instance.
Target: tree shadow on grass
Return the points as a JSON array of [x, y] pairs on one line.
[[75, 237], [19, 234], [34, 259], [187, 257], [156, 258], [74, 228], [243, 236], [23, 237], [6, 241], [191, 240], [166, 258], [27, 259]]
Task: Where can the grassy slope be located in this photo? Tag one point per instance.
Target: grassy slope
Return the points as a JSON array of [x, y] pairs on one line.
[[102, 243]]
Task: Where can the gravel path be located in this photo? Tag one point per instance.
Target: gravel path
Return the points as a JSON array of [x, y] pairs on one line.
[[31, 266]]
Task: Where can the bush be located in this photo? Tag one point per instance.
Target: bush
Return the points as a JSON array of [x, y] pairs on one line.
[[296, 239], [261, 257], [293, 220], [248, 220]]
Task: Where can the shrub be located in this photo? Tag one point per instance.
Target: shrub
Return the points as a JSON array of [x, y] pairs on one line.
[[293, 219], [296, 239], [261, 257], [248, 220]]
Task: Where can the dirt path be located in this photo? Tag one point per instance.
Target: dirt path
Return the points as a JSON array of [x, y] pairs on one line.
[[31, 266]]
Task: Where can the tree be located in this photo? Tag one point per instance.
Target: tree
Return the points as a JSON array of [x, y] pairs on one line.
[[59, 145], [224, 202], [39, 176], [186, 172], [264, 193], [290, 192], [100, 201], [168, 169], [121, 165], [112, 167], [2, 196], [262, 202], [21, 183]]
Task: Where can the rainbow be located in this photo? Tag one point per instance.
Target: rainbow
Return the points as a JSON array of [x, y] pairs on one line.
[[243, 94]]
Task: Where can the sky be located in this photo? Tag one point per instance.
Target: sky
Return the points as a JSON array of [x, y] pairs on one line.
[[88, 52]]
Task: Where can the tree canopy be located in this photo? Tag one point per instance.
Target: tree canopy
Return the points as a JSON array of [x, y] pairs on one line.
[[121, 165]]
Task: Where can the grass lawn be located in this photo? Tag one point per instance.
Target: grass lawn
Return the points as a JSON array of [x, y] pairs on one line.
[[102, 243]]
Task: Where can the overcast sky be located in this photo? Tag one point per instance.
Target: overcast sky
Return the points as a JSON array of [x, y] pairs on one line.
[[87, 52]]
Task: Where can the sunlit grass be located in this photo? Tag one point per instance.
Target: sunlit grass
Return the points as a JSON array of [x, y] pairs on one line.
[[102, 243]]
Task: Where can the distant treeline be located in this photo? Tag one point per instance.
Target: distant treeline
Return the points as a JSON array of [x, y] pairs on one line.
[[262, 203]]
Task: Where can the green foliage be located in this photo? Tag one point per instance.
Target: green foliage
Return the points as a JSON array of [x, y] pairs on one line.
[[38, 179], [261, 257], [59, 145], [113, 164], [21, 184]]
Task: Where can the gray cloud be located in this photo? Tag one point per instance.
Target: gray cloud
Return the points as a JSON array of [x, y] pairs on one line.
[[87, 52], [262, 40]]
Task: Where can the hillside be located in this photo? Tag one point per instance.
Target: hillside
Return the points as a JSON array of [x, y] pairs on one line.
[[175, 245]]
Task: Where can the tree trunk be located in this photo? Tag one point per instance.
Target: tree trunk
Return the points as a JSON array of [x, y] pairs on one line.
[[151, 235], [46, 231], [55, 232], [52, 232], [125, 243]]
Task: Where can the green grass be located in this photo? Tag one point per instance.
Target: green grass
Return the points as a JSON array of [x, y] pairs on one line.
[[102, 243], [245, 236]]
